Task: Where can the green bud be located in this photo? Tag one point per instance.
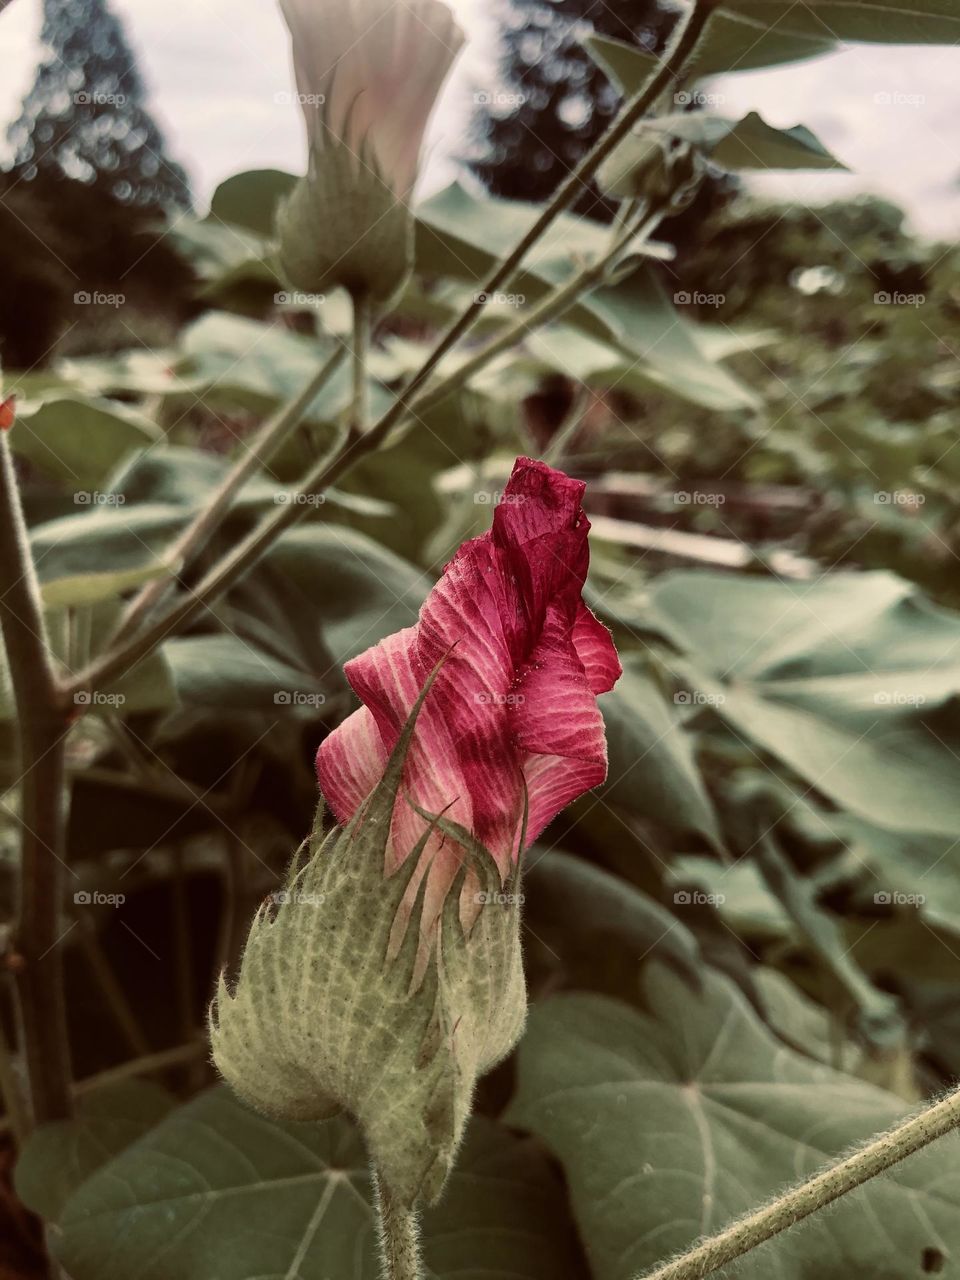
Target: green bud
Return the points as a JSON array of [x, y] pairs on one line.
[[345, 1002], [343, 225]]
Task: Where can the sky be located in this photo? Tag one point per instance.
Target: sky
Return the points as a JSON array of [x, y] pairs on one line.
[[217, 72]]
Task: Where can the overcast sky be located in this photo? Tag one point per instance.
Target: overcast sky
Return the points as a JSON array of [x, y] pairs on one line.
[[214, 69]]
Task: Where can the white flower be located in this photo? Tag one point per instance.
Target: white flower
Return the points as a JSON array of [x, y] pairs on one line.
[[368, 74]]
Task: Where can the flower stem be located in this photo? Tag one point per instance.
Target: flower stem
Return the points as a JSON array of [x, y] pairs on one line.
[[42, 720], [837, 1180], [264, 444], [399, 1236], [359, 411]]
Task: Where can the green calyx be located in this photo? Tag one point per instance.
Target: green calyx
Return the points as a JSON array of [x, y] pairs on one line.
[[338, 1006], [344, 226]]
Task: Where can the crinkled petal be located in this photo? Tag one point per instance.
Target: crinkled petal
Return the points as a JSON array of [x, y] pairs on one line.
[[596, 650]]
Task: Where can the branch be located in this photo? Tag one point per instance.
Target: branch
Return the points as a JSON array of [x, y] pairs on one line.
[[43, 722], [935, 1121], [263, 446]]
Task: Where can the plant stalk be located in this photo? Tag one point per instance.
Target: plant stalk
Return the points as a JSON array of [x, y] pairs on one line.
[[42, 723], [846, 1175], [263, 446], [399, 1237]]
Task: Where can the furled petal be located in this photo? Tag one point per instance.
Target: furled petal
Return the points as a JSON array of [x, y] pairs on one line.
[[368, 73], [513, 709]]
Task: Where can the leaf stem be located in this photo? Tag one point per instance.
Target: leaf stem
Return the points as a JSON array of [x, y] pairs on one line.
[[399, 1236], [839, 1179], [263, 446], [43, 722], [359, 411]]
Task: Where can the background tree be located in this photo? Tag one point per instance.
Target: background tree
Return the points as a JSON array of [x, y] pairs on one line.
[[85, 117]]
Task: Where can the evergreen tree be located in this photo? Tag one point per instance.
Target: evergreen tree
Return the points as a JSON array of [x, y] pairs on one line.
[[558, 101], [85, 118]]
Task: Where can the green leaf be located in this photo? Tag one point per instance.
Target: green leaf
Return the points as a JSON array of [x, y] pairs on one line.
[[732, 43], [59, 1157], [102, 551], [217, 1191], [462, 235], [879, 22], [80, 440], [669, 1126], [842, 679], [227, 671], [250, 199], [749, 143], [600, 927], [652, 770]]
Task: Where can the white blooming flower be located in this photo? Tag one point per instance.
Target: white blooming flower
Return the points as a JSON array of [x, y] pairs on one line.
[[368, 74]]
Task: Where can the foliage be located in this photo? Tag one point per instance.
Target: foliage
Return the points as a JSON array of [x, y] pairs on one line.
[[741, 950]]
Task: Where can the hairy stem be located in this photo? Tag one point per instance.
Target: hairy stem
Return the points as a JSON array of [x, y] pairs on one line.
[[42, 721], [682, 45], [359, 411], [399, 1236], [837, 1180], [259, 451]]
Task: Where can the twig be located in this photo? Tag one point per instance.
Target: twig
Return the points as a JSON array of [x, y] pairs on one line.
[[42, 723], [263, 446], [935, 1121]]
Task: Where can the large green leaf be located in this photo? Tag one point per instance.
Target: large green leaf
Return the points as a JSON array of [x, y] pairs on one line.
[[749, 143], [880, 21], [80, 440], [845, 679], [732, 43], [59, 1157], [463, 235], [217, 1191], [250, 199], [652, 769], [668, 1126]]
